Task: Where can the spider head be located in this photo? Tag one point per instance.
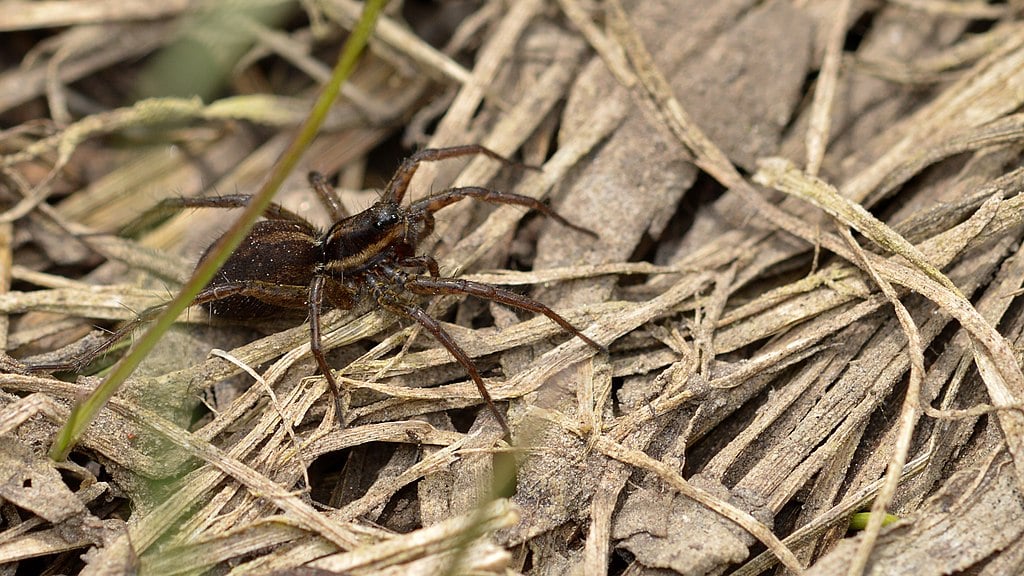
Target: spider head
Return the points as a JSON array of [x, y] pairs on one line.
[[383, 216], [358, 241]]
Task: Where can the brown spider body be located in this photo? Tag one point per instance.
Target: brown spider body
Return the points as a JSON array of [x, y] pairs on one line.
[[286, 264], [294, 257]]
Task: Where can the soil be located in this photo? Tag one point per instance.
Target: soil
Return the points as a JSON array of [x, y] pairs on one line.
[[805, 278]]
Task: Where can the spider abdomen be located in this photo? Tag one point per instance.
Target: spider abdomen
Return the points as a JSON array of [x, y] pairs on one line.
[[270, 271]]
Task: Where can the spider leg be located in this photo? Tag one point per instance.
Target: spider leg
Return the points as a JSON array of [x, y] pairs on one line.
[[278, 295], [452, 195], [328, 195], [389, 302], [421, 263], [285, 296], [428, 286], [403, 176], [316, 346], [79, 361], [170, 206]]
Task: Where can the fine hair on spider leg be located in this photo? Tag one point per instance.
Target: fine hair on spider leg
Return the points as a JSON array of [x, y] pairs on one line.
[[287, 263]]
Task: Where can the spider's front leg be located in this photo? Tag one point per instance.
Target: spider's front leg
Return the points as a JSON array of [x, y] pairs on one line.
[[452, 195], [434, 286], [383, 292], [421, 263], [403, 176]]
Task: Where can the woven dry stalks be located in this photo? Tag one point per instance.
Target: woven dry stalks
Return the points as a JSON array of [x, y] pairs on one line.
[[809, 218]]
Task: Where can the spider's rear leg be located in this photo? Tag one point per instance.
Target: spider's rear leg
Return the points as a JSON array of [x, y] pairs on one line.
[[432, 286], [273, 294], [403, 176], [452, 195], [79, 361]]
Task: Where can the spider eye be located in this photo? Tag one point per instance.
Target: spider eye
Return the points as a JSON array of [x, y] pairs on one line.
[[387, 216]]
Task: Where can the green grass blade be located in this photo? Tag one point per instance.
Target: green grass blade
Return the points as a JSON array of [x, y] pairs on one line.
[[84, 413]]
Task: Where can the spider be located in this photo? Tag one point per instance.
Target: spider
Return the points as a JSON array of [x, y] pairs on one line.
[[287, 264]]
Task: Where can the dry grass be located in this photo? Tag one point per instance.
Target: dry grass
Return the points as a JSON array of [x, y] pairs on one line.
[[809, 218]]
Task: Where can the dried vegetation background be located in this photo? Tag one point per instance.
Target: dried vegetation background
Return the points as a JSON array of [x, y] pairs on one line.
[[791, 341]]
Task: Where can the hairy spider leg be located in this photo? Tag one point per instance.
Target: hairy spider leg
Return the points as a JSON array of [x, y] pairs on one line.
[[273, 212], [453, 348], [328, 195], [79, 361], [452, 195], [399, 183], [425, 285], [422, 263], [315, 298], [390, 302], [269, 292], [283, 295]]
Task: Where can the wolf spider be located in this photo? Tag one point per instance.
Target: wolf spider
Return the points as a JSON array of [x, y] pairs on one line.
[[286, 263]]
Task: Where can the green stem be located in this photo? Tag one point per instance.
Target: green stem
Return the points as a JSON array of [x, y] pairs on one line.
[[84, 413]]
